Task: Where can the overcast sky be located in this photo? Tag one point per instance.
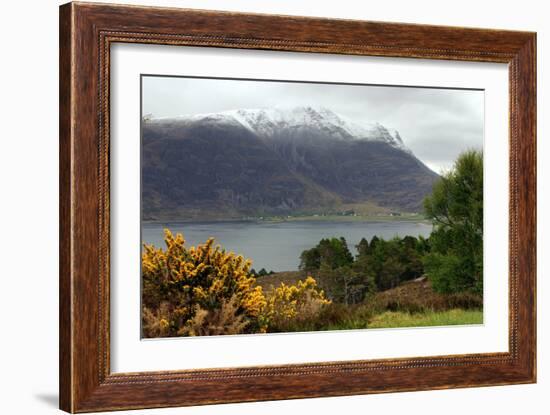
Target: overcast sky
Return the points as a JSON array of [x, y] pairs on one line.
[[436, 124]]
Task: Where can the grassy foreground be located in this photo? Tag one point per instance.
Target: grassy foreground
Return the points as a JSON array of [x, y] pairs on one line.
[[411, 304], [392, 319]]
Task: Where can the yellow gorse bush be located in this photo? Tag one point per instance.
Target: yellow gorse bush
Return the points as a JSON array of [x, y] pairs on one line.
[[205, 290], [180, 281], [289, 304]]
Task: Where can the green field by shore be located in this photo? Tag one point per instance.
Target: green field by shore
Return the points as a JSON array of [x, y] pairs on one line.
[[395, 319], [411, 304]]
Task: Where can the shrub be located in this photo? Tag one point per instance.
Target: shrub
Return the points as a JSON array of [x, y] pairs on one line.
[[419, 297], [344, 317], [156, 323], [290, 307], [204, 290], [345, 284], [225, 320], [185, 290]]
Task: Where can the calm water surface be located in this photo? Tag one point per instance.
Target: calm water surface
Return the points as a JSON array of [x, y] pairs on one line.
[[277, 246]]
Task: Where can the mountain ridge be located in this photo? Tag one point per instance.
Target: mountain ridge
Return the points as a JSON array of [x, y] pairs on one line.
[[257, 162], [264, 121]]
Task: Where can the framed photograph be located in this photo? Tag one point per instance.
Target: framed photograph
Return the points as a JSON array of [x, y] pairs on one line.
[[259, 207]]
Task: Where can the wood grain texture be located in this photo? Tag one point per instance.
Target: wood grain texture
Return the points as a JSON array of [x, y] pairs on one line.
[[65, 248], [86, 33]]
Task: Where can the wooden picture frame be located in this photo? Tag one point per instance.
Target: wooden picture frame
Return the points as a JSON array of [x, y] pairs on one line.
[[86, 33]]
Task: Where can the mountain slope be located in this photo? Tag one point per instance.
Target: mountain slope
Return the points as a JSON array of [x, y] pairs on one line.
[[274, 162]]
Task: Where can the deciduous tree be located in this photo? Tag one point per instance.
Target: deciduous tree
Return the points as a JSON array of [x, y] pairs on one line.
[[455, 207]]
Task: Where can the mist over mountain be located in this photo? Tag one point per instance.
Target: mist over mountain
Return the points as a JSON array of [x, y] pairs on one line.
[[280, 161]]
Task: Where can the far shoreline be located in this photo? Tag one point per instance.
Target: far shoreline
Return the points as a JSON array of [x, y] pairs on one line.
[[410, 218]]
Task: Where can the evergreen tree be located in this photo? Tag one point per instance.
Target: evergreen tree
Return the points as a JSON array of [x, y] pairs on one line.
[[362, 248], [373, 242]]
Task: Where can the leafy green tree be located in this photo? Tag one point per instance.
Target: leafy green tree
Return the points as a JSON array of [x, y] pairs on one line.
[[333, 252], [455, 207], [379, 265], [310, 259], [385, 261], [423, 245], [391, 262]]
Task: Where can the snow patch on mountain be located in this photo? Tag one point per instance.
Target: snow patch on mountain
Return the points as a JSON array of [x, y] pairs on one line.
[[267, 123]]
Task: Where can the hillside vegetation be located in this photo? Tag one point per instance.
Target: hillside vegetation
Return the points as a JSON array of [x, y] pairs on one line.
[[411, 304], [400, 282]]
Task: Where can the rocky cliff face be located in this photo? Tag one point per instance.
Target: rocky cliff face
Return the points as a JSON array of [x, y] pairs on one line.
[[272, 162]]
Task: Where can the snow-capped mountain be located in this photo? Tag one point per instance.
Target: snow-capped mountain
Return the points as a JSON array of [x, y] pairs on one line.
[[271, 122], [262, 162]]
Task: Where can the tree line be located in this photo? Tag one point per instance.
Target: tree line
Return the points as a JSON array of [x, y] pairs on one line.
[[204, 290], [451, 257]]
